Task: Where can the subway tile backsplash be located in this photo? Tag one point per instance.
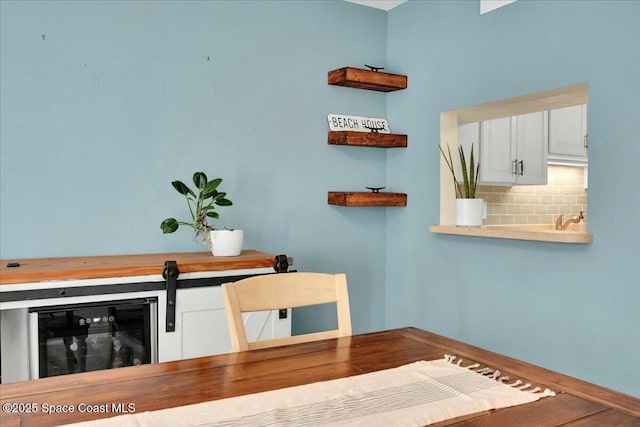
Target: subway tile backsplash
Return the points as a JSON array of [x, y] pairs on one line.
[[564, 194]]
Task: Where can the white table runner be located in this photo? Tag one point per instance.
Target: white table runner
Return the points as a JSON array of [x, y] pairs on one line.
[[417, 394]]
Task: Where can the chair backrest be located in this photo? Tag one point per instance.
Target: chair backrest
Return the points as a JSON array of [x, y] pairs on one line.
[[285, 290]]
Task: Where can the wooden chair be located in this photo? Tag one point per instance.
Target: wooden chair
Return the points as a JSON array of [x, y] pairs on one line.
[[285, 290]]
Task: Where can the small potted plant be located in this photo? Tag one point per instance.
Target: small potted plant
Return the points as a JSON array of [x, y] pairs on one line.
[[469, 210], [202, 206]]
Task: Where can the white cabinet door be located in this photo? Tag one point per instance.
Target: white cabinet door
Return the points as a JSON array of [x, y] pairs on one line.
[[568, 133], [513, 150], [14, 345], [532, 142], [468, 135], [201, 325], [497, 151]]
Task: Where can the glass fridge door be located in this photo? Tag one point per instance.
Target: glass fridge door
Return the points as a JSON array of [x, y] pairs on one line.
[[91, 337]]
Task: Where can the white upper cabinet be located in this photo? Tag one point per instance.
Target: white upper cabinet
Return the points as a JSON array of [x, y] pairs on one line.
[[568, 134], [468, 136], [513, 150], [532, 141], [498, 151]]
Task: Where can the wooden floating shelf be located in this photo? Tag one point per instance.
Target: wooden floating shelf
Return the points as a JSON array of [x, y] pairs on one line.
[[345, 198], [367, 139], [366, 79]]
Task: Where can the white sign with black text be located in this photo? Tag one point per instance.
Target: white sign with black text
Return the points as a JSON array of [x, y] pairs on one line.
[[358, 123]]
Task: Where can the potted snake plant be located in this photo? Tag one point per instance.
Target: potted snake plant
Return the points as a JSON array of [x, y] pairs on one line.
[[469, 209], [202, 207]]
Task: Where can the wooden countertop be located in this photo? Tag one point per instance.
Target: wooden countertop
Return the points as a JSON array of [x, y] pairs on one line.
[[184, 382], [540, 233], [96, 267]]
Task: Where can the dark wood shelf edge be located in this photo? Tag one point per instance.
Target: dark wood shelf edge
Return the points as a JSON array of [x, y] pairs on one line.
[[356, 198], [367, 79], [367, 139]]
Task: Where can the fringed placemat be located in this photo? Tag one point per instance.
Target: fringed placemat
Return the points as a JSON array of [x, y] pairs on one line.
[[416, 394]]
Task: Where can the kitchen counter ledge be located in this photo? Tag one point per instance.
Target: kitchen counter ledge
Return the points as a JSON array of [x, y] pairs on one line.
[[540, 233]]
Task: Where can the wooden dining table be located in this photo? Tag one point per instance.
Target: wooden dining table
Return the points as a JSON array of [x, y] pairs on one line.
[[82, 397]]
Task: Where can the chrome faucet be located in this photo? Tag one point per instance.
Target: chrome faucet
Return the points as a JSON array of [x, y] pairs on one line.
[[575, 220]]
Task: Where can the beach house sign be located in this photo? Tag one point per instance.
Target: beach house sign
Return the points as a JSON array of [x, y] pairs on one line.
[[358, 123]]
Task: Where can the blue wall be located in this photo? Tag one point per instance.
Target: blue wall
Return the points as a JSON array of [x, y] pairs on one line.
[[120, 98], [571, 308]]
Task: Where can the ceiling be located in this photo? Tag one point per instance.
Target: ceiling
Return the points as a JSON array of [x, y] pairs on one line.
[[379, 4]]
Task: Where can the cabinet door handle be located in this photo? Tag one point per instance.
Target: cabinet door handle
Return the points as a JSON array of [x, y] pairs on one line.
[[521, 167], [514, 167], [586, 141]]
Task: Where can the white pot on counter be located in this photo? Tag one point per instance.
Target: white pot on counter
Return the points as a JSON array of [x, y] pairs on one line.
[[226, 242], [469, 212]]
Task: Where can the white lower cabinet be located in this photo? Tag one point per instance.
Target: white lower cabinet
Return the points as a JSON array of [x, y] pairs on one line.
[[201, 325], [513, 150], [200, 319], [14, 345]]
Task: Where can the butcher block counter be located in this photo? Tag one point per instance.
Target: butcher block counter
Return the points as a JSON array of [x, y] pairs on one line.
[[183, 289], [94, 267]]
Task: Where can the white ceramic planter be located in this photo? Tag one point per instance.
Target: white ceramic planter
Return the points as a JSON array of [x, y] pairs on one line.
[[469, 212], [226, 242]]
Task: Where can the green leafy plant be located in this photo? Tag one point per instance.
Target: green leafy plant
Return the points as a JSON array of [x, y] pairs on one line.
[[465, 189], [201, 206]]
